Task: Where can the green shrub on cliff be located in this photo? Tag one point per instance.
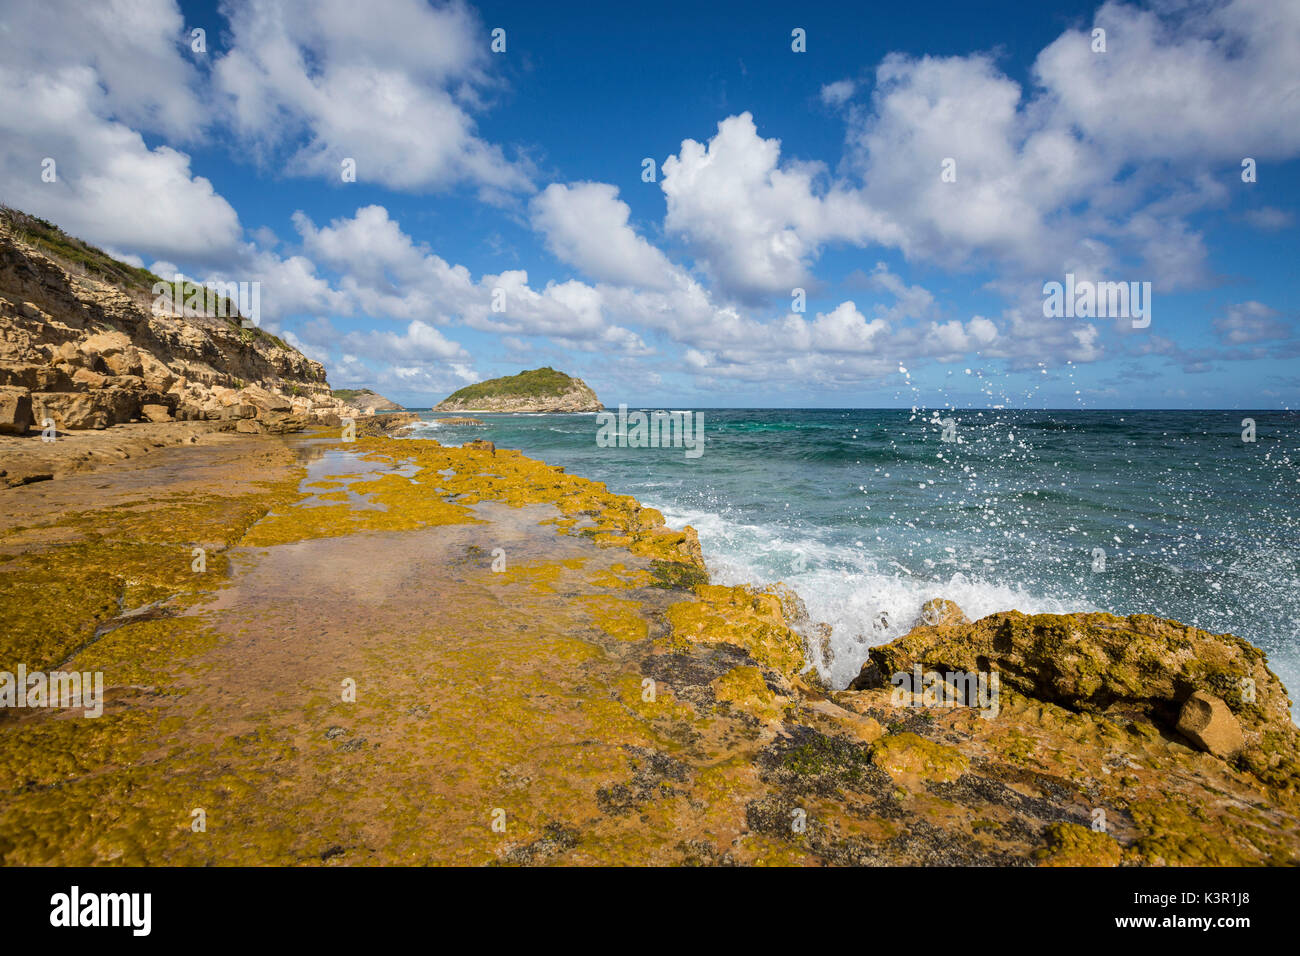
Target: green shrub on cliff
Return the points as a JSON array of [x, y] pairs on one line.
[[51, 239]]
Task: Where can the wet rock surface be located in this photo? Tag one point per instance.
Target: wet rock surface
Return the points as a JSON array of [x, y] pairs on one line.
[[404, 653], [1213, 689]]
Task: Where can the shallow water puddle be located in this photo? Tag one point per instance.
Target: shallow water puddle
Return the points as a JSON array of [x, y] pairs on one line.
[[473, 689], [330, 470]]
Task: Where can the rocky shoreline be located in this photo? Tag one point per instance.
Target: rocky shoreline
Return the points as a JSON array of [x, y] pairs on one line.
[[542, 673], [26, 459]]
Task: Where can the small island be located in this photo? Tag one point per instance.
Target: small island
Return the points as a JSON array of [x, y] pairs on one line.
[[537, 390]]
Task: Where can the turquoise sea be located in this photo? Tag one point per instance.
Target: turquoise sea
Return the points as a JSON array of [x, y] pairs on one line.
[[869, 513]]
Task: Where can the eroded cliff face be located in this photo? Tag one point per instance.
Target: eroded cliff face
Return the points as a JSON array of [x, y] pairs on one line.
[[87, 353]]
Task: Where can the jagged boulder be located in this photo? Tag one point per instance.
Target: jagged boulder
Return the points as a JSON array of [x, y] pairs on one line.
[[235, 412], [111, 351], [266, 402], [940, 612], [386, 424], [83, 379], [1139, 667], [34, 377], [282, 425], [1210, 724], [15, 410], [95, 409]]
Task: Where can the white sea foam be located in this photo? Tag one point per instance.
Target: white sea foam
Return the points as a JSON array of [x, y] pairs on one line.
[[850, 587]]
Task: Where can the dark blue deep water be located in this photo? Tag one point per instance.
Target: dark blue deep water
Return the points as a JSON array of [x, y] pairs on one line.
[[870, 511]]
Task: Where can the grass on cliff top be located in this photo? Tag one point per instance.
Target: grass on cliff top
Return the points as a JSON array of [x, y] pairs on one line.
[[347, 394], [544, 381], [50, 239], [91, 260]]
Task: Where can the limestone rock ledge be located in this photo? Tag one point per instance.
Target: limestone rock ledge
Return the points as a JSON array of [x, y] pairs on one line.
[[559, 652], [1211, 690]]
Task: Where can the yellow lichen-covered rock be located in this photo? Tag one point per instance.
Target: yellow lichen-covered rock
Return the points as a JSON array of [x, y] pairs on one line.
[[908, 755], [940, 612], [615, 521], [836, 719], [617, 617], [1070, 844], [749, 619], [1141, 665], [745, 689], [1175, 833], [659, 719]]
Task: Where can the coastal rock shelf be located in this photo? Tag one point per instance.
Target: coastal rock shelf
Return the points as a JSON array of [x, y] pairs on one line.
[[405, 653]]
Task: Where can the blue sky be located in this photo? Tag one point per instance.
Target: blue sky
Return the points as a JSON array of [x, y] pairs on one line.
[[516, 178]]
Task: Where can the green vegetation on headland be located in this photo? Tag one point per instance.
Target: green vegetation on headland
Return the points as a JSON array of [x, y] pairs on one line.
[[535, 382], [536, 390]]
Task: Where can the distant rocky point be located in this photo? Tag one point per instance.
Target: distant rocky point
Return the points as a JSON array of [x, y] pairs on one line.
[[366, 400], [537, 390]]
